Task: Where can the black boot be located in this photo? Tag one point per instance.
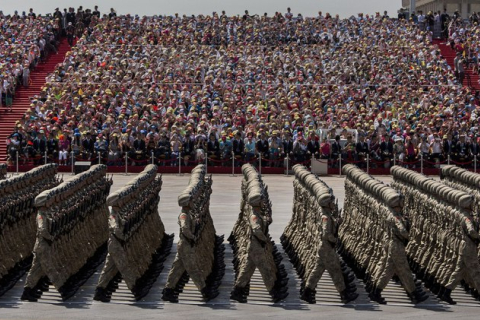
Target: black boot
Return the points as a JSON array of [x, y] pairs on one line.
[[101, 295], [169, 295], [238, 295], [308, 295], [417, 296], [445, 296], [29, 295], [348, 296], [278, 294], [376, 295], [209, 294]]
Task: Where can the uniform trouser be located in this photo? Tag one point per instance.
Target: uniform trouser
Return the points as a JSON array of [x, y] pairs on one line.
[[185, 260], [397, 263], [467, 264], [36, 271], [326, 258], [129, 273], [108, 273], [261, 258]]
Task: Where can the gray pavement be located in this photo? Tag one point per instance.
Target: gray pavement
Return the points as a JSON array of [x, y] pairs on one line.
[[225, 202]]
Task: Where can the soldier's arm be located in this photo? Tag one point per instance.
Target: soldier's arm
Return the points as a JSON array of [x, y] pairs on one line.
[[185, 222], [256, 226], [41, 227], [327, 230], [401, 231], [472, 233]]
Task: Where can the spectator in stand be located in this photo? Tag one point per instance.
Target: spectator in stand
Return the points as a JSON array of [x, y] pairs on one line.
[[189, 78]]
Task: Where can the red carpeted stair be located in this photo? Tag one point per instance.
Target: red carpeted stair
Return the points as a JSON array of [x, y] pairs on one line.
[[21, 102], [449, 54]]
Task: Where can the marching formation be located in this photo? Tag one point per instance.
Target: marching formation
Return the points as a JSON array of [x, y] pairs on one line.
[[17, 221], [252, 245], [138, 244], [415, 229], [373, 235], [72, 234], [443, 242], [469, 182], [200, 252], [311, 236]]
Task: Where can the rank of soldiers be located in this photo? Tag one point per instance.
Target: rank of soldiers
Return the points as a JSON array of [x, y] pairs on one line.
[[469, 182], [443, 236], [72, 234], [138, 244], [373, 235], [18, 227], [311, 236], [200, 252], [252, 244]]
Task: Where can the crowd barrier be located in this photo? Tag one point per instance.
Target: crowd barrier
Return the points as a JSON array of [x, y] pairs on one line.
[[232, 165]]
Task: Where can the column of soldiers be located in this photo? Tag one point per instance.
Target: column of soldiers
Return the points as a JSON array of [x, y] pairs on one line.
[[72, 234], [252, 244], [3, 171], [200, 252], [373, 235], [17, 221], [443, 238], [138, 244], [311, 237], [469, 182]]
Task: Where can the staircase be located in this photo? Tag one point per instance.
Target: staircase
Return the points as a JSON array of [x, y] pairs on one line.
[[449, 54], [21, 101]]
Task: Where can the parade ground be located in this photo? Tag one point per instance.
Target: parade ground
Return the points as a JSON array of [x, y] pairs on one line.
[[224, 208]]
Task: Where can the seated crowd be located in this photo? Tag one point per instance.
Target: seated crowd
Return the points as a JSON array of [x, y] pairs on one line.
[[25, 40], [247, 87]]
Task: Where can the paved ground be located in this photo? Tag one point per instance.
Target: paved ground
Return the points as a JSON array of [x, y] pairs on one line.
[[224, 210]]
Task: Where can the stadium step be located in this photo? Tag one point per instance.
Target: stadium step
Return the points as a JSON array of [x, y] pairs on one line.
[[21, 101], [449, 55]]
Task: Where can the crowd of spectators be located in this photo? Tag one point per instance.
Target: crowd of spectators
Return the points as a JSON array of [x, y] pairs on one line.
[[25, 40], [216, 87]]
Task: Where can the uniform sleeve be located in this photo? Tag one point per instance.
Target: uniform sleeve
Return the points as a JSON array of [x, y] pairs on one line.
[[115, 228], [185, 223], [327, 229], [400, 228], [470, 228], [41, 227], [256, 225]]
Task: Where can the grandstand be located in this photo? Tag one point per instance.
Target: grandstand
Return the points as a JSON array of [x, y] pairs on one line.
[[178, 91]]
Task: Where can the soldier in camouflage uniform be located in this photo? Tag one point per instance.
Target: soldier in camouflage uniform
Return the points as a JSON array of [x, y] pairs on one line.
[[310, 238], [138, 245], [74, 232], [443, 248], [17, 221], [252, 244], [199, 251], [373, 235]]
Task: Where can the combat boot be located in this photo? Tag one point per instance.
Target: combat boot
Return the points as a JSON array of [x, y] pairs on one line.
[[209, 294], [348, 277], [475, 294], [348, 296], [29, 295], [278, 295], [376, 295], [308, 295], [445, 296], [238, 295], [101, 295], [169, 295], [417, 296]]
